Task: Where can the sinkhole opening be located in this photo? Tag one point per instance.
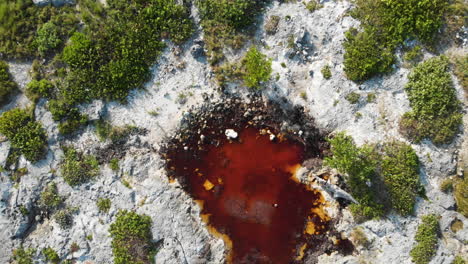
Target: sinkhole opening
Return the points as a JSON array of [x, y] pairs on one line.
[[238, 160]]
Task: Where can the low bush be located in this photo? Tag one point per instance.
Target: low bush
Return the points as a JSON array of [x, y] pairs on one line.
[[51, 255], [50, 199], [400, 171], [386, 25], [131, 238], [23, 256], [359, 237], [39, 89], [7, 85], [435, 107], [461, 194], [116, 134], [257, 68], [103, 204], [114, 164], [313, 5], [427, 240], [47, 38], [353, 97], [26, 135], [414, 55], [458, 260], [461, 71], [64, 218], [77, 168], [446, 185], [326, 72]]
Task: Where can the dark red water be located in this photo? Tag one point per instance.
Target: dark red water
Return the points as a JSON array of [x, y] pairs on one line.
[[248, 194]]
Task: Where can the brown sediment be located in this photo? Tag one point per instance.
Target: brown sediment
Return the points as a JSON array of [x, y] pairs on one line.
[[246, 187]]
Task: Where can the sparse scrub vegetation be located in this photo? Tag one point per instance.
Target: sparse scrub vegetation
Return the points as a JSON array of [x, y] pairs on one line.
[[39, 89], [257, 68], [131, 238], [7, 85], [271, 25], [461, 71], [427, 240], [353, 97], [446, 185], [77, 168], [313, 5], [51, 255], [386, 25], [50, 199], [26, 135], [326, 72], [461, 194], [359, 237], [103, 205], [435, 107], [23, 256], [64, 218], [379, 177], [414, 55]]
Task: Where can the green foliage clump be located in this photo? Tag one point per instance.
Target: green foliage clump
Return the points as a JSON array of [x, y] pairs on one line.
[[23, 256], [48, 38], [29, 30], [116, 134], [326, 72], [257, 68], [50, 199], [39, 89], [461, 71], [371, 97], [103, 204], [364, 56], [427, 240], [313, 5], [131, 238], [353, 97], [386, 24], [223, 22], [461, 195], [458, 260], [7, 85], [114, 164], [435, 107], [115, 55], [69, 117], [78, 168], [51, 255], [446, 185], [380, 178], [26, 135], [414, 54], [360, 167], [64, 218], [400, 172]]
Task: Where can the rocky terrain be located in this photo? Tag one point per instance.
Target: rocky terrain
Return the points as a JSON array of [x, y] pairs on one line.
[[183, 80]]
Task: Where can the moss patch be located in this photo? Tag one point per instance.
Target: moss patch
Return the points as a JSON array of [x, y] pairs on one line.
[[427, 240]]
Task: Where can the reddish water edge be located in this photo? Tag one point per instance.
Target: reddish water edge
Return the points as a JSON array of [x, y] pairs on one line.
[[248, 194]]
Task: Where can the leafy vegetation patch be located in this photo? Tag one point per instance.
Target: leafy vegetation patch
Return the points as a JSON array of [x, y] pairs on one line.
[[23, 256], [353, 97], [103, 204], [461, 71], [257, 68], [224, 22], [50, 200], [78, 168], [379, 177], [26, 135], [326, 72], [385, 25], [51, 255], [427, 240], [39, 89], [131, 238], [7, 85], [28, 30], [461, 194], [435, 107]]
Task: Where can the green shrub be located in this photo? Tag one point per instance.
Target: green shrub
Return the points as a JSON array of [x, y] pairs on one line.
[[70, 117], [353, 97], [39, 89], [7, 85], [386, 24], [48, 38], [51, 255], [103, 204], [114, 164], [77, 168], [427, 240], [461, 195], [116, 134], [131, 238], [25, 28], [458, 260], [326, 72], [257, 68], [371, 97], [224, 22], [313, 5], [64, 218], [446, 185], [461, 71], [23, 256], [50, 199], [361, 169], [364, 56], [25, 134], [400, 171], [413, 55], [435, 107]]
